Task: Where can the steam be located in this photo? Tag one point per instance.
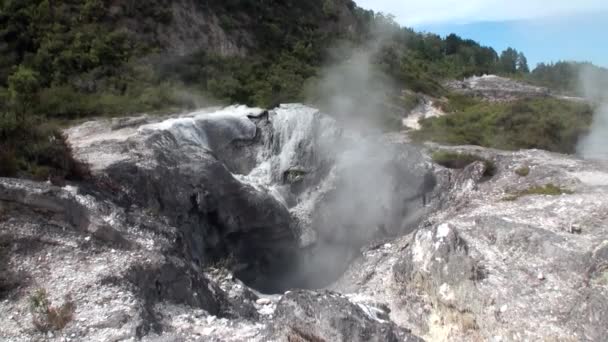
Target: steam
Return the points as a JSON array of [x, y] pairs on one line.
[[594, 86], [373, 188], [354, 90]]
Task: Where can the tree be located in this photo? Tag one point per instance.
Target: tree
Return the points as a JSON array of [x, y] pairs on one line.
[[508, 61], [23, 87], [522, 63], [452, 44]]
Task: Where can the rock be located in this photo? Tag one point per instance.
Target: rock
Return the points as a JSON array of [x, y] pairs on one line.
[[263, 301], [254, 183], [188, 216], [496, 88], [328, 316], [425, 109], [475, 260], [114, 320]]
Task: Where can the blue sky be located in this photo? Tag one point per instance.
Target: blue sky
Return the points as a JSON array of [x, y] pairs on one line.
[[545, 30]]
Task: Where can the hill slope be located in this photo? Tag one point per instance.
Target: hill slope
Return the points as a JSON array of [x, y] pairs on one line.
[[65, 59]]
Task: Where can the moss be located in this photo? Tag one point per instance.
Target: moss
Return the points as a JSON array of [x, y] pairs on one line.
[[457, 160], [523, 171], [545, 190]]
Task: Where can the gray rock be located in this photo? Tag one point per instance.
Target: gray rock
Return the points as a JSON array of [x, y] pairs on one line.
[[190, 215], [471, 270], [328, 316], [496, 88]]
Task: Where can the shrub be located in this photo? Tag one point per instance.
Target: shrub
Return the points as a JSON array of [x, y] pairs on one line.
[[47, 317], [545, 190], [457, 160], [545, 123], [38, 150]]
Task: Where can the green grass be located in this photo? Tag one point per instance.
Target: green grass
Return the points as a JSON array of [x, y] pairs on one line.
[[545, 123], [545, 190], [457, 160]]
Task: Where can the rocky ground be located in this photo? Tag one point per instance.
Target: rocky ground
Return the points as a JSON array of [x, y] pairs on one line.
[[427, 108], [496, 88], [188, 219]]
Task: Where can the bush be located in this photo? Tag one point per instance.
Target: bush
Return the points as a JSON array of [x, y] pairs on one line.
[[38, 151], [546, 123], [456, 160], [47, 317]]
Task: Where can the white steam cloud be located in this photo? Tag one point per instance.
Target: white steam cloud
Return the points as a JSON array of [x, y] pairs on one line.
[[594, 85], [354, 90]]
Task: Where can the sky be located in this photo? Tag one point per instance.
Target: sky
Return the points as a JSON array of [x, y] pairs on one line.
[[545, 30]]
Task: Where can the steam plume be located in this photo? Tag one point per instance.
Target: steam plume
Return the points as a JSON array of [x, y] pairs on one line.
[[595, 144]]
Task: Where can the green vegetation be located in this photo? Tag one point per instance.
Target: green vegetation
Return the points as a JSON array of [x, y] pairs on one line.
[[544, 123], [546, 190], [67, 59], [457, 160], [523, 171], [47, 317], [571, 78], [38, 150], [76, 50]]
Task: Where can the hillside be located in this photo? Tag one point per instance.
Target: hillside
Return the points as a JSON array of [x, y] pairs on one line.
[[67, 60], [117, 48]]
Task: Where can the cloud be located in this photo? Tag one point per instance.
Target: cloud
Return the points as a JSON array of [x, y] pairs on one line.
[[415, 12]]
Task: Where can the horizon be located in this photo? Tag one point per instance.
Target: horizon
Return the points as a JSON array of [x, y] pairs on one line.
[[563, 34]]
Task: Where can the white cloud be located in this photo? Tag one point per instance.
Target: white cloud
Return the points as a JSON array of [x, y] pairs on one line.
[[417, 12]]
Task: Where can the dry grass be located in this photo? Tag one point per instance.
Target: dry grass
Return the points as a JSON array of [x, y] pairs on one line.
[[46, 317]]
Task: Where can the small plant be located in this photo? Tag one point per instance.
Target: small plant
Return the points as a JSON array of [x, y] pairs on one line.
[[523, 171], [546, 190], [47, 317], [457, 160]]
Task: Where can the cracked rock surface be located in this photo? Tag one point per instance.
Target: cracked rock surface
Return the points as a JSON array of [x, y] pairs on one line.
[[485, 267], [238, 224]]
